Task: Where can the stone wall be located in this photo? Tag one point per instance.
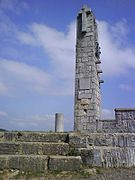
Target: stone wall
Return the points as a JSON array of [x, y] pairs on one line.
[[108, 126], [125, 119], [104, 149], [124, 122], [87, 80]]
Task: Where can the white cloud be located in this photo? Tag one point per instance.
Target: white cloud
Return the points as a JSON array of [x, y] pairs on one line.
[[26, 38], [35, 122], [24, 71], [126, 87], [107, 114], [120, 29], [3, 114], [59, 46], [16, 76], [117, 57]]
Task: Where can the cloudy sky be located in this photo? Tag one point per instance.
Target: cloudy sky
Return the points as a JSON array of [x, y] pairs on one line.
[[37, 59]]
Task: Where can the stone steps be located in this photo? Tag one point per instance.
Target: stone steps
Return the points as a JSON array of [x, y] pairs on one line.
[[61, 149], [37, 148], [40, 163], [65, 163], [23, 136], [37, 152]]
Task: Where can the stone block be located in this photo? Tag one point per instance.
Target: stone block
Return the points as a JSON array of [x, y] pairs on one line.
[[109, 126], [36, 148], [9, 148], [55, 149], [3, 162], [77, 141], [131, 125], [121, 140], [91, 127], [90, 140], [84, 59], [87, 156], [84, 83], [130, 140], [103, 140], [91, 112], [31, 148], [84, 95], [91, 157], [97, 161], [80, 113], [85, 102], [84, 44], [67, 163], [28, 163]]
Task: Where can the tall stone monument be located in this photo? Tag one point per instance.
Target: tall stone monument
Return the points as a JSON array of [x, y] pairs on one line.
[[87, 80]]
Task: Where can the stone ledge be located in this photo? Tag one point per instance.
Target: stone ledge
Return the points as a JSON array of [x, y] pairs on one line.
[[65, 163], [26, 163], [124, 109], [38, 148], [34, 136], [40, 163], [102, 139]]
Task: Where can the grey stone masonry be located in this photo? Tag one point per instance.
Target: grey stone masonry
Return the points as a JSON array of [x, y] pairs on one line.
[[124, 122], [125, 119], [87, 80], [104, 149]]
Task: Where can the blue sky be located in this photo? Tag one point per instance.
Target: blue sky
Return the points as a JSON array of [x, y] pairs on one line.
[[37, 59]]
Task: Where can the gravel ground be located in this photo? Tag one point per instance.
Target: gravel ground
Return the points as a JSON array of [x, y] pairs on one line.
[[87, 174]]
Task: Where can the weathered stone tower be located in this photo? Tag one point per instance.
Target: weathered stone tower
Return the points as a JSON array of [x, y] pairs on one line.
[[87, 80]]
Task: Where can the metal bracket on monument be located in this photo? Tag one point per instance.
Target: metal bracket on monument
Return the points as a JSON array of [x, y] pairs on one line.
[[99, 71], [101, 81], [98, 52], [98, 62]]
